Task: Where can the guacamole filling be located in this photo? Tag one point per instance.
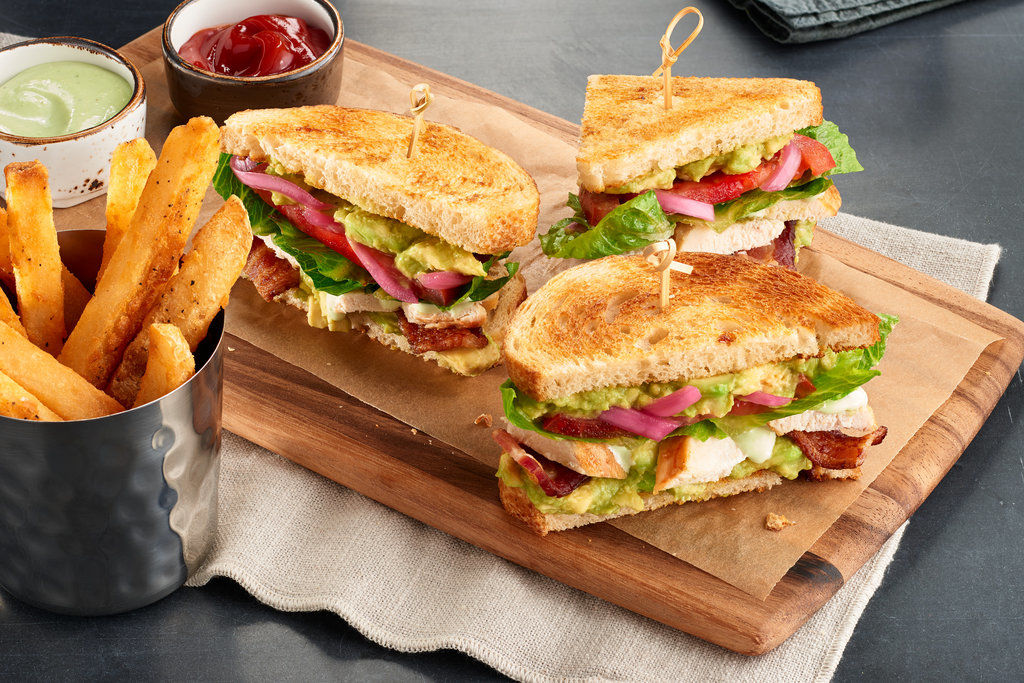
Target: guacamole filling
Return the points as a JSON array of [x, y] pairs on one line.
[[602, 496], [636, 222], [743, 159]]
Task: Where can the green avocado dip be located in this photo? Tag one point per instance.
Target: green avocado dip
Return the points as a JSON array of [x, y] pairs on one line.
[[60, 98]]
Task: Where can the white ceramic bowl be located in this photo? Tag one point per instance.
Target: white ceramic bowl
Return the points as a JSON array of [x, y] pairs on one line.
[[78, 163]]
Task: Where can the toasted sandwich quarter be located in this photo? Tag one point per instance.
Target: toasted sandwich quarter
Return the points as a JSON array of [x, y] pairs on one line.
[[737, 165], [751, 375], [409, 250]]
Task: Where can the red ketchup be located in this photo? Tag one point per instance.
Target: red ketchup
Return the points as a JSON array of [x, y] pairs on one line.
[[262, 45]]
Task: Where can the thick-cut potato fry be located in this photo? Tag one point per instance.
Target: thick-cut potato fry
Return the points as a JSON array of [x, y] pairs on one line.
[[59, 388], [130, 166], [6, 269], [76, 296], [7, 315], [16, 402], [194, 295], [170, 363], [35, 254], [148, 253]]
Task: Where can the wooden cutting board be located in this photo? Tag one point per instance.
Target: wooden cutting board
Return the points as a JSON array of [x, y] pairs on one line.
[[379, 456]]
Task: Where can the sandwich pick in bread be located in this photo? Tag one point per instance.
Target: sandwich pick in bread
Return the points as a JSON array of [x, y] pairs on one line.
[[361, 236], [737, 165], [751, 374]]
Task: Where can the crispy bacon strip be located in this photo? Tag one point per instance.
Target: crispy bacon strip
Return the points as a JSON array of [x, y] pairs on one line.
[[783, 250], [423, 339], [271, 275], [835, 450], [553, 478], [581, 427]]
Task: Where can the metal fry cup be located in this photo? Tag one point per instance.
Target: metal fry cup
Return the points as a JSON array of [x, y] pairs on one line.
[[106, 515]]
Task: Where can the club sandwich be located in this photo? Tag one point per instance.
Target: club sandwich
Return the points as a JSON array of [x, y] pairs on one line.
[[751, 375]]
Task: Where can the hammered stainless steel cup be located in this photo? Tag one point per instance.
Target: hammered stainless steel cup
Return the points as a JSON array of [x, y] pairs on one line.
[[107, 515]]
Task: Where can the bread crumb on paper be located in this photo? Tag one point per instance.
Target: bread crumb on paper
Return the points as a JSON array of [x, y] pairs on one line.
[[483, 420], [775, 522], [414, 430]]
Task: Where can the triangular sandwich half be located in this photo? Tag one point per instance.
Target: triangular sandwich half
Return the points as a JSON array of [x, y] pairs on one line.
[[737, 165], [409, 250], [751, 375]]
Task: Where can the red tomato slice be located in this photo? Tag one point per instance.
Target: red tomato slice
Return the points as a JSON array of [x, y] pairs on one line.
[[721, 187], [597, 205], [334, 240], [814, 156]]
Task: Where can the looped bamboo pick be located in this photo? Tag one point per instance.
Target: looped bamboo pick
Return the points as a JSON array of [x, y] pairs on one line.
[[668, 57], [419, 99], [661, 255]]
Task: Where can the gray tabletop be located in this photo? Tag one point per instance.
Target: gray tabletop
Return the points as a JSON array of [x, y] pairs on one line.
[[932, 106]]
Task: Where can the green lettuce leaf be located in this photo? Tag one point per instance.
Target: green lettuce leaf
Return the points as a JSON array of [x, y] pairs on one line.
[[631, 225], [852, 369], [481, 288], [226, 184], [828, 134]]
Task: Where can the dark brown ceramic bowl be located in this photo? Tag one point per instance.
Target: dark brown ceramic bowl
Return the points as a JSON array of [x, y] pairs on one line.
[[195, 92]]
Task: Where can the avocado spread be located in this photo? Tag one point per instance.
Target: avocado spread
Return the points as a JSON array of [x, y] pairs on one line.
[[717, 392], [601, 496], [415, 251], [743, 159]]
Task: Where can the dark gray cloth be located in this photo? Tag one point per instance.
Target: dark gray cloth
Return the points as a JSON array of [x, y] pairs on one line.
[[804, 21]]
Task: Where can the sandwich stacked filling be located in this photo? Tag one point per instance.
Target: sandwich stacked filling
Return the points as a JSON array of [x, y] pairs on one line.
[[753, 375], [410, 251], [736, 166]]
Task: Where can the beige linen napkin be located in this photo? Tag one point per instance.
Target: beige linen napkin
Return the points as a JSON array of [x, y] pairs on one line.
[[299, 542]]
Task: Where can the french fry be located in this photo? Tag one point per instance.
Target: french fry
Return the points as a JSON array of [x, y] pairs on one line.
[[16, 402], [57, 387], [7, 315], [137, 273], [6, 269], [170, 363], [194, 295], [35, 254], [130, 166], [76, 296]]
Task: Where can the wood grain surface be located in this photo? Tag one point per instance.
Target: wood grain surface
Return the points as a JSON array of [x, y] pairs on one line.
[[292, 412]]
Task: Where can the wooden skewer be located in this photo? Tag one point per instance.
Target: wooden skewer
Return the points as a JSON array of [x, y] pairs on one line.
[[419, 99], [661, 255], [668, 57]]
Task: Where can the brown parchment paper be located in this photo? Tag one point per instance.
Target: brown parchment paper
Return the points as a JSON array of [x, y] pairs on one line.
[[929, 353]]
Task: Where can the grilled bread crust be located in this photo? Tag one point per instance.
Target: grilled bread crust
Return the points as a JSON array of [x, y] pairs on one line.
[[598, 324], [518, 504], [627, 133], [454, 187]]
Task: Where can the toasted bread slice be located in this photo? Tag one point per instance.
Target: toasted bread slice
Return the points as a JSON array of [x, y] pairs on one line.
[[454, 186], [598, 324], [627, 133], [518, 504]]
